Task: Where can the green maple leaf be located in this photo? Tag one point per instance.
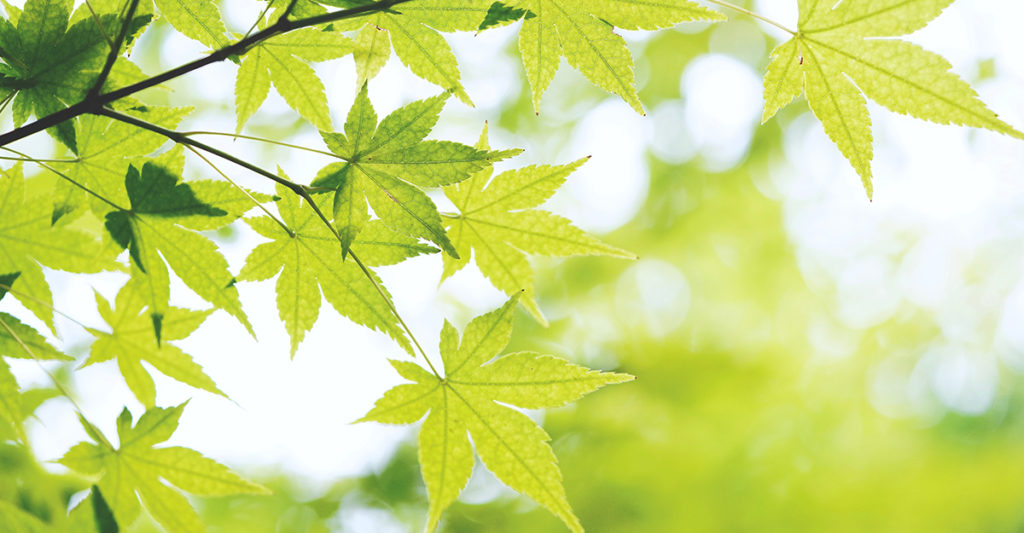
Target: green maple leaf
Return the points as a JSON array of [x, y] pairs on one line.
[[159, 224], [582, 32], [283, 61], [412, 29], [137, 470], [389, 163], [498, 222], [464, 403], [51, 65], [132, 340], [28, 241], [20, 341], [310, 260], [840, 53]]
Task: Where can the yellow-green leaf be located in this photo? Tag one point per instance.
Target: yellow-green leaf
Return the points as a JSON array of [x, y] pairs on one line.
[[137, 470], [582, 31], [199, 20], [284, 61], [499, 223], [389, 164], [132, 340], [465, 403], [309, 259], [841, 50]]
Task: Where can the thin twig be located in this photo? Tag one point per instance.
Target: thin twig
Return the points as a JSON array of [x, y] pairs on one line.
[[750, 13], [288, 9], [99, 24], [66, 177], [256, 23], [31, 159], [115, 49], [183, 139], [7, 100], [300, 190], [244, 191]]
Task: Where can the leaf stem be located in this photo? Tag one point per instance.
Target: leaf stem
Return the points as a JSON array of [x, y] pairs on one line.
[[49, 306], [115, 49], [244, 191], [180, 138], [750, 13], [99, 25], [256, 23], [296, 188], [42, 163], [33, 160], [263, 140], [56, 383], [391, 305], [99, 101]]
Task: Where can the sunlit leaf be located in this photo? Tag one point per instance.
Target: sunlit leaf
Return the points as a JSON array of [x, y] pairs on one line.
[[464, 403]]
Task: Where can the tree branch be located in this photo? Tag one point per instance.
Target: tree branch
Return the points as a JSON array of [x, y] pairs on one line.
[[96, 103]]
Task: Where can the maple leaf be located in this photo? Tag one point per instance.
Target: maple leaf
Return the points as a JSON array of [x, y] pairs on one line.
[[465, 402], [282, 60], [582, 32], [161, 209], [28, 240], [200, 21], [51, 65], [498, 223], [412, 29], [137, 470], [389, 163], [309, 259], [18, 340], [132, 340], [839, 55]]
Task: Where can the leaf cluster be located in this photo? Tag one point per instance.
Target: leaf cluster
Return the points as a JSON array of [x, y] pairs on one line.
[[324, 235]]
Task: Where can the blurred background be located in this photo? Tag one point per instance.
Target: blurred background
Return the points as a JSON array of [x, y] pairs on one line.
[[806, 360]]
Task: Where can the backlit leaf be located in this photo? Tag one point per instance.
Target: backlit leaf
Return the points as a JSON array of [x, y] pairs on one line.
[[137, 470], [463, 404], [844, 52]]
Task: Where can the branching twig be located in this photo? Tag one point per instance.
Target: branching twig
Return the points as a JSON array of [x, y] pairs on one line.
[[115, 50], [296, 188], [99, 101], [244, 191]]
